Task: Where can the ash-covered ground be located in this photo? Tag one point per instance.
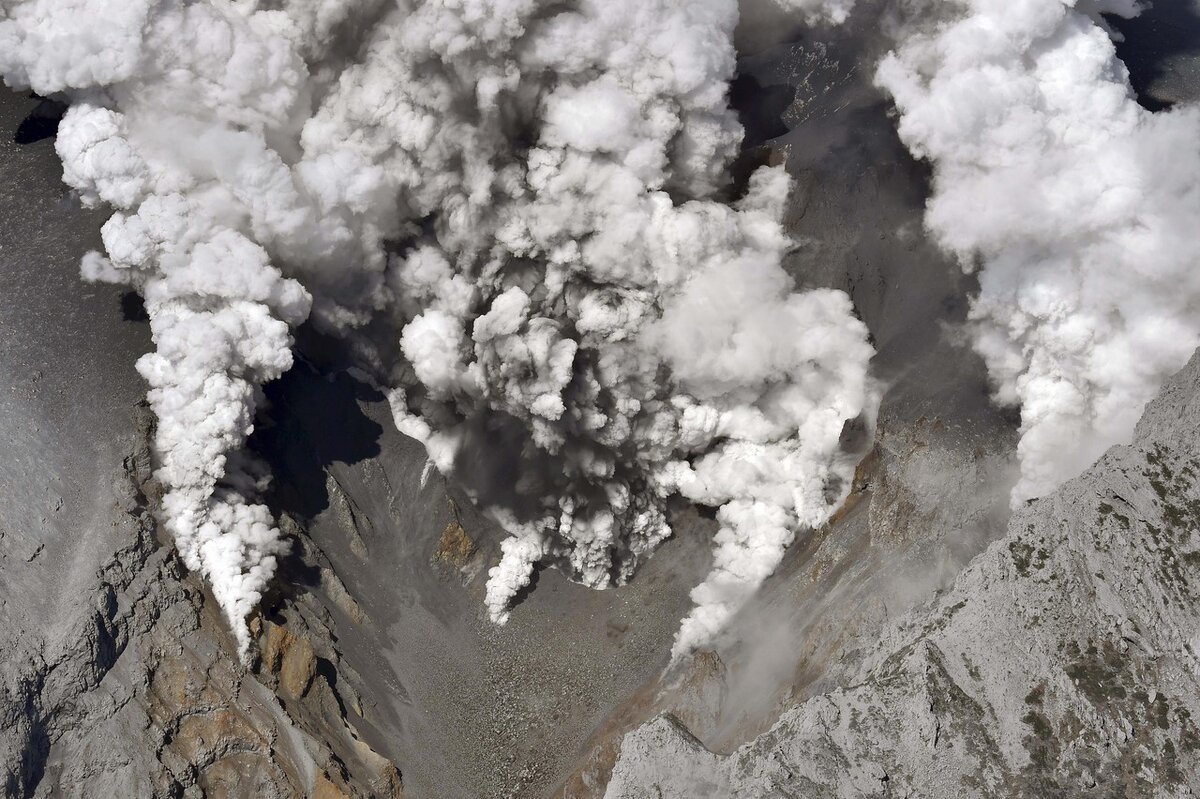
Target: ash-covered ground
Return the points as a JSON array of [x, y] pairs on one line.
[[376, 647], [516, 710], [390, 560], [461, 706]]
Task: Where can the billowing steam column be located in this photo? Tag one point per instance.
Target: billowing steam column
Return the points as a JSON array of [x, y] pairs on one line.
[[1079, 207], [169, 125], [637, 338], [530, 198]]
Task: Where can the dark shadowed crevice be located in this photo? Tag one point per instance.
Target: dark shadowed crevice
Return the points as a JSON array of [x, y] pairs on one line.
[[133, 309], [41, 123], [1160, 48], [310, 422], [760, 108]]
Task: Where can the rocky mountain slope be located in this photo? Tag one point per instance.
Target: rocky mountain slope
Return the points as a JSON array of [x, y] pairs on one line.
[[1065, 660], [933, 492], [375, 641], [117, 675], [1060, 664]]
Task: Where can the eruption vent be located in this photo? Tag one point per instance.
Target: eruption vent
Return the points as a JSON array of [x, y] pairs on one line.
[[516, 211]]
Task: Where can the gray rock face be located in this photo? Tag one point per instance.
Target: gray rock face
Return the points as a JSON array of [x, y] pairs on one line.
[[117, 674], [1065, 660], [1062, 662], [933, 492], [388, 584], [377, 623]]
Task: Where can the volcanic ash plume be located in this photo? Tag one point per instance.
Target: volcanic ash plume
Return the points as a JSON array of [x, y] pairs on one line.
[[1079, 207], [835, 11], [172, 108], [517, 212]]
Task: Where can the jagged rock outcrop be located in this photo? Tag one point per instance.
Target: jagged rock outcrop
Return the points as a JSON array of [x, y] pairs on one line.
[[386, 586], [1056, 667], [1064, 662], [118, 676], [145, 696], [933, 492]]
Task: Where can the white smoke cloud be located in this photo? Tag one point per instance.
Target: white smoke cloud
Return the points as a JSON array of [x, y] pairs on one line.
[[528, 194], [766, 23], [172, 106], [1079, 207], [835, 11]]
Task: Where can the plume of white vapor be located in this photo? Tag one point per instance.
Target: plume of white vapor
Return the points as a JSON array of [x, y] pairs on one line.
[[834, 11], [766, 23], [1079, 207], [527, 193], [646, 346], [173, 105]]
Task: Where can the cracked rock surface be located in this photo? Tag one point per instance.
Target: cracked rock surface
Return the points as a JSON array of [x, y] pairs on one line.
[[1063, 662], [117, 675]]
